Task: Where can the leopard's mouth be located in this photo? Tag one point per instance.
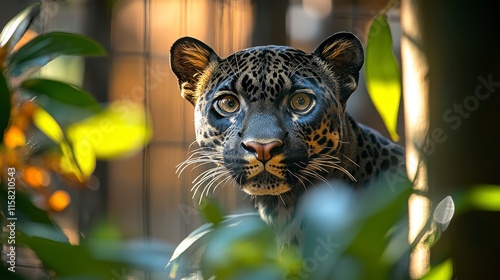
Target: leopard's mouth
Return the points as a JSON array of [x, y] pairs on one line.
[[265, 184], [258, 178]]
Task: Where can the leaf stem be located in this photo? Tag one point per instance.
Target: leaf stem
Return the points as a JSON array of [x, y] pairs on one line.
[[387, 7]]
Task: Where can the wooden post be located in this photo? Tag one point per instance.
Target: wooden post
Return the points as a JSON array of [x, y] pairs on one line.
[[416, 105]]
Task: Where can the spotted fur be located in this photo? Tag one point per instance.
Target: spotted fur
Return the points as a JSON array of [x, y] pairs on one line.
[[273, 121]]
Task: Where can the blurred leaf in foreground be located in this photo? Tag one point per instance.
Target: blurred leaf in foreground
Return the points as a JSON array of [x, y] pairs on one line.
[[382, 74], [68, 260], [46, 123], [480, 197], [61, 92], [119, 130], [442, 271], [64, 102], [239, 247], [211, 212], [346, 231], [14, 30], [78, 161], [4, 105], [44, 48]]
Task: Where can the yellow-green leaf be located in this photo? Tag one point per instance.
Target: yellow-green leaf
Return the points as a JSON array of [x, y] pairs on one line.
[[47, 125], [119, 130], [78, 160], [443, 270], [382, 74], [85, 158], [485, 197]]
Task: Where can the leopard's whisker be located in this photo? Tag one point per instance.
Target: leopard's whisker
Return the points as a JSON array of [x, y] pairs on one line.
[[345, 171], [282, 200], [196, 156], [222, 181], [215, 178], [210, 173], [211, 177], [299, 178], [202, 177], [352, 161], [328, 160], [315, 175], [195, 163], [318, 166]]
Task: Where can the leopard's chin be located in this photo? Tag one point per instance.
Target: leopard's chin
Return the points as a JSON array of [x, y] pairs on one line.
[[264, 190], [266, 185]]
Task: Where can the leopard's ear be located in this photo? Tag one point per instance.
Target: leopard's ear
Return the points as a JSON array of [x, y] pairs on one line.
[[343, 55], [192, 61]]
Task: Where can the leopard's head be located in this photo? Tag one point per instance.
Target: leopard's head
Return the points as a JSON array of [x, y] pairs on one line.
[[272, 117]]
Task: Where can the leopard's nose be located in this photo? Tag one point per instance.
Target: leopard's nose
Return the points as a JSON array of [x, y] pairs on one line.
[[263, 151]]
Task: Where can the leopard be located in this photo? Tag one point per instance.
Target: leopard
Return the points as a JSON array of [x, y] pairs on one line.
[[273, 121]]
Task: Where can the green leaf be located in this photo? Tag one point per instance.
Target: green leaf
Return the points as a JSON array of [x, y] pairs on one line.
[[44, 48], [382, 227], [62, 92], [65, 103], [382, 74], [6, 274], [212, 212], [69, 260], [4, 105], [14, 30], [240, 231], [359, 230], [235, 250]]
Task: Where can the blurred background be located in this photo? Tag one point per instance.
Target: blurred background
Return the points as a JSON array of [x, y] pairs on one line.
[[142, 195]]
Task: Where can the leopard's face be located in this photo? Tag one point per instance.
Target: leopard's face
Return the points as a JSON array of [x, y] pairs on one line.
[[271, 118]]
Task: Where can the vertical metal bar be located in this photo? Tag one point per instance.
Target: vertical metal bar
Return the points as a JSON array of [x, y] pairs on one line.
[[146, 180], [185, 194]]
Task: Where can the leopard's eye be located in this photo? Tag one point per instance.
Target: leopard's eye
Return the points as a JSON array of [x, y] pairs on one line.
[[301, 102], [227, 104]]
